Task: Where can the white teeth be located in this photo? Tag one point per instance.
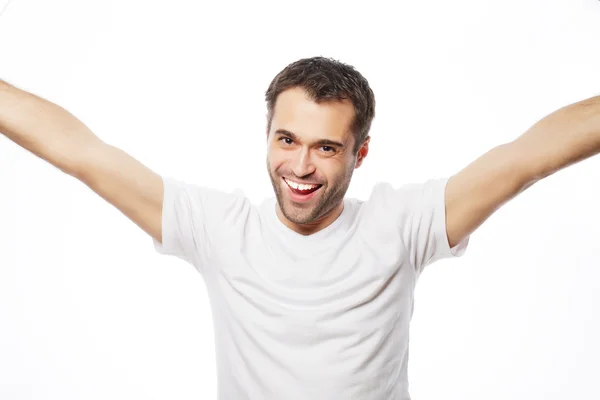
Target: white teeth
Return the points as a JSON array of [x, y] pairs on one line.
[[299, 185]]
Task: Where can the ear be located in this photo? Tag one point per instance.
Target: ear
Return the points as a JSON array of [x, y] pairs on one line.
[[362, 152]]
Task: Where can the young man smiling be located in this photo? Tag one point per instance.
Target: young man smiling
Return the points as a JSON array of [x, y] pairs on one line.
[[312, 144], [311, 292]]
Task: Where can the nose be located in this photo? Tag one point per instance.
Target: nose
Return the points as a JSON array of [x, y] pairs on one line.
[[302, 164]]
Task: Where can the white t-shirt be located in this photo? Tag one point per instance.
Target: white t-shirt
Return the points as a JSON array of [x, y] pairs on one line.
[[317, 317]]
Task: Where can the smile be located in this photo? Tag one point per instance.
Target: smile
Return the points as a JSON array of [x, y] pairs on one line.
[[300, 191]]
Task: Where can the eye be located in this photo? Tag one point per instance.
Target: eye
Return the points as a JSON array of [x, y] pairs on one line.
[[326, 149]]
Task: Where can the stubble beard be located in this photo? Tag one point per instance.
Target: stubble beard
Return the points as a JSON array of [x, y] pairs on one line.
[[329, 198]]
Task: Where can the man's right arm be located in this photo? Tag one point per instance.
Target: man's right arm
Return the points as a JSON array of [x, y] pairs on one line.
[[55, 135]]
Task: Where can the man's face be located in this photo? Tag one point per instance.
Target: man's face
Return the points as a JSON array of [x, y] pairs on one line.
[[311, 143]]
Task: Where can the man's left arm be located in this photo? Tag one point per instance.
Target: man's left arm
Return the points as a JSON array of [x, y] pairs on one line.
[[564, 137]]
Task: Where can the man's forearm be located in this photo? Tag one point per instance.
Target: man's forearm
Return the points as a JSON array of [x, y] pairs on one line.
[[40, 126], [564, 137]]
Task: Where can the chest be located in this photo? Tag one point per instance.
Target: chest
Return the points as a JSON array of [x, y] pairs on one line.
[[341, 294]]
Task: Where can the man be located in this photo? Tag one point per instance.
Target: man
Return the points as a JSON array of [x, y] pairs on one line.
[[311, 292]]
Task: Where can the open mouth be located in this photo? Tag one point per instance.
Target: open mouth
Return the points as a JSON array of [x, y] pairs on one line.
[[301, 190]]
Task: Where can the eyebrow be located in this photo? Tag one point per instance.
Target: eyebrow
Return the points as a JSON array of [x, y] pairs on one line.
[[323, 142]]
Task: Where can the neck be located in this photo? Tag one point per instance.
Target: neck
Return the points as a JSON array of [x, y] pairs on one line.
[[312, 227]]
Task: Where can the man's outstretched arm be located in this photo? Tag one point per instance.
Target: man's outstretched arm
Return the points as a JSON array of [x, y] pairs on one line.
[[53, 134], [564, 137]]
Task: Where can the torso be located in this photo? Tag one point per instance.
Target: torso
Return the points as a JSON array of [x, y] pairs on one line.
[[320, 317]]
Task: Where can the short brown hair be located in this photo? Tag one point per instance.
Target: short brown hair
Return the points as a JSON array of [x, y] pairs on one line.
[[326, 79]]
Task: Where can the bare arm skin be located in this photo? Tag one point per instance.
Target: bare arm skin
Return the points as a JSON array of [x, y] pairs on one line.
[[564, 137], [55, 135]]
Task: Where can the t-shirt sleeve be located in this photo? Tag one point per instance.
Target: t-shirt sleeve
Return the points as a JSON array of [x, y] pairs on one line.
[[419, 210], [191, 217]]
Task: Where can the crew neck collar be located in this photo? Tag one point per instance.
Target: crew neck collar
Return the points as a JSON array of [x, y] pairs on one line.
[[322, 234]]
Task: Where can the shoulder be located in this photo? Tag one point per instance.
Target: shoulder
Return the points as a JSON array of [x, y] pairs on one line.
[[407, 196]]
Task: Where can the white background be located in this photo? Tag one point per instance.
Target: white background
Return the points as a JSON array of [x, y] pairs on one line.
[[89, 311]]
